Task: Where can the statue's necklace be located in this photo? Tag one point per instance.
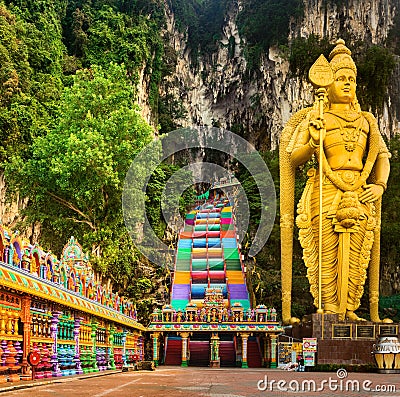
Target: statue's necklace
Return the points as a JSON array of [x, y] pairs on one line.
[[350, 133]]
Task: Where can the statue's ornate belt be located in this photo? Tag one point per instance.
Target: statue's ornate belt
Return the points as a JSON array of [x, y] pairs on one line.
[[347, 176]]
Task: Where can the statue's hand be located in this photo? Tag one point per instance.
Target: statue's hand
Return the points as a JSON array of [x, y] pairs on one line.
[[371, 193], [316, 126]]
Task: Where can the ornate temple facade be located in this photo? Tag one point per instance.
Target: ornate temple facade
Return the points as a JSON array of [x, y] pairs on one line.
[[60, 309], [210, 320]]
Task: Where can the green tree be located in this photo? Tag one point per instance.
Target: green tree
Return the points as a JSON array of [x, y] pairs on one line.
[[30, 76], [75, 177], [134, 40]]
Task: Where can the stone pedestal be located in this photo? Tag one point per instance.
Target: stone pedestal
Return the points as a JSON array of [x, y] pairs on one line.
[[214, 364], [342, 342]]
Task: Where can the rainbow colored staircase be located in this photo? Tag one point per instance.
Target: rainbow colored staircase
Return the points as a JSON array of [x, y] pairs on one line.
[[208, 256], [209, 318]]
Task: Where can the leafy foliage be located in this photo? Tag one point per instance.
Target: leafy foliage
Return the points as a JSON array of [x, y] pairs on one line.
[[117, 32], [154, 192], [115, 37], [171, 112], [264, 23], [75, 176], [203, 20], [375, 68], [305, 51], [30, 75]]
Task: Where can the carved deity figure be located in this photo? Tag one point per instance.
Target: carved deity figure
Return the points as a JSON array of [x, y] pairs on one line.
[[355, 169]]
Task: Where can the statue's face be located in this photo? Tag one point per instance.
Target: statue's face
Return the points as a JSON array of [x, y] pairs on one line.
[[343, 89]]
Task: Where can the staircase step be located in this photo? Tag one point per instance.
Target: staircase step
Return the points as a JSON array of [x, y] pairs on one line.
[[199, 353], [173, 354], [227, 354], [253, 354]]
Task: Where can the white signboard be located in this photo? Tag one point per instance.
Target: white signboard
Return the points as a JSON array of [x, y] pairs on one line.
[[310, 345]]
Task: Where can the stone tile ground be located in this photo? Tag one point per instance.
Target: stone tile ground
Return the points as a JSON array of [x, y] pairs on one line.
[[205, 382]]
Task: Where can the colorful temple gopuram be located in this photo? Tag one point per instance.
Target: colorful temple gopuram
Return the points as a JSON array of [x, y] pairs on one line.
[[210, 321], [59, 309]]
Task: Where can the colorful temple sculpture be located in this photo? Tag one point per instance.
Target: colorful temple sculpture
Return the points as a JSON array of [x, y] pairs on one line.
[[59, 309], [210, 321]]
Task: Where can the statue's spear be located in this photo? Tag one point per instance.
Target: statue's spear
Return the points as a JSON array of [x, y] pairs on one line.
[[321, 76]]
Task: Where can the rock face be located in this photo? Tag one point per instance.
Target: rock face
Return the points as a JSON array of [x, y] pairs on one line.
[[220, 92], [8, 211], [368, 20]]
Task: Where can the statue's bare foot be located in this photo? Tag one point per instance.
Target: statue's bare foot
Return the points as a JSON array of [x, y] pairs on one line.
[[387, 321], [353, 317], [294, 320]]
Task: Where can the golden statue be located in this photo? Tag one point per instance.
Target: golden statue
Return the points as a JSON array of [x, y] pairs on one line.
[[351, 176]]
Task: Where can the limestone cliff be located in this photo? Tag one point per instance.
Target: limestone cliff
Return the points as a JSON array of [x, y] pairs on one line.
[[219, 91], [10, 212]]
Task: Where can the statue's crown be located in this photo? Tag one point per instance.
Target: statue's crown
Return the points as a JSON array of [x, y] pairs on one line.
[[340, 57]]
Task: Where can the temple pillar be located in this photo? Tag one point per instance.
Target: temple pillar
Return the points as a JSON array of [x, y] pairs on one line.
[[245, 337], [215, 360], [124, 333], [54, 332], [94, 366], [141, 347], [3, 317], [273, 350], [185, 336], [111, 331], [155, 336], [265, 351], [77, 359], [26, 319]]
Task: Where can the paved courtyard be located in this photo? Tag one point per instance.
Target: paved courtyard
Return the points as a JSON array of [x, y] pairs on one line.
[[206, 382]]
